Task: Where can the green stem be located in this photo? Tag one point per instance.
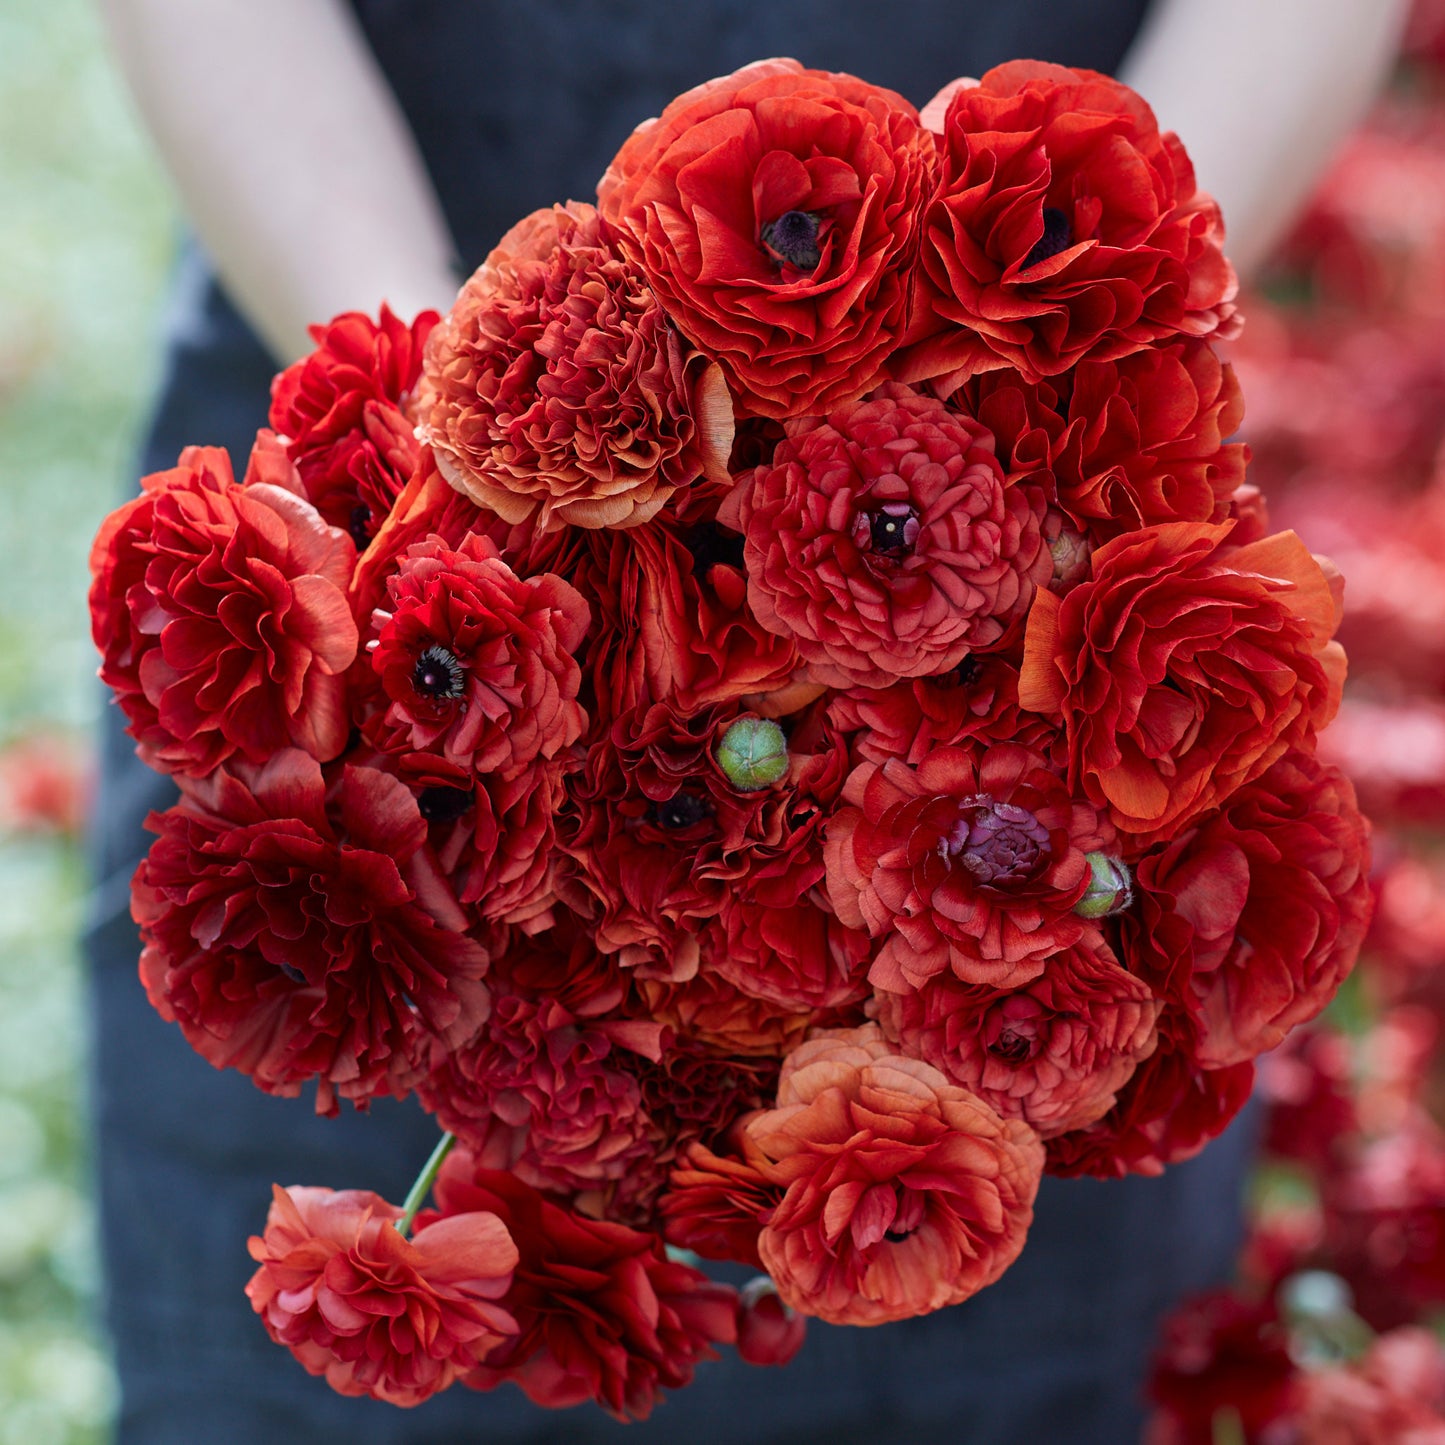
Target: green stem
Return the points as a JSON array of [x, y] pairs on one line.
[[419, 1190]]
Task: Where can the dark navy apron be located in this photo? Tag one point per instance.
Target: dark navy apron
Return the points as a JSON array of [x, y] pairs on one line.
[[516, 106]]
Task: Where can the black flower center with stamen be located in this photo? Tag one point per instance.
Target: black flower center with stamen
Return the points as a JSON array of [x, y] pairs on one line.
[[360, 526], [793, 238], [444, 805], [1056, 238], [968, 670], [682, 810], [712, 546], [890, 531], [1012, 1048], [999, 843], [438, 674]]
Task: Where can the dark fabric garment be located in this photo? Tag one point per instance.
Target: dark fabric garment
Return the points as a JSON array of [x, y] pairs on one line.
[[517, 106]]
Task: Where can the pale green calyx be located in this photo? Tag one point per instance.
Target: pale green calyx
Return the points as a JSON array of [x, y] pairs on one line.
[[1110, 890], [753, 753]]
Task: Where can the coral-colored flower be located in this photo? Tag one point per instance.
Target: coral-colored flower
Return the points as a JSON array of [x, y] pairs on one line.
[[719, 1015], [1395, 1395], [972, 861], [220, 612], [1053, 1052], [1254, 916], [885, 540], [903, 1192], [295, 937], [1183, 669], [604, 1314], [556, 386], [477, 663], [378, 1314], [775, 213], [1064, 226], [343, 414]]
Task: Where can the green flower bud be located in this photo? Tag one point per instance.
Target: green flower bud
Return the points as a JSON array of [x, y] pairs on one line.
[[753, 753], [1110, 890]]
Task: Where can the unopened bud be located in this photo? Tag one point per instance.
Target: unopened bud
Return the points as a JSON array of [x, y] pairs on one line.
[[1110, 890], [753, 753], [769, 1333]]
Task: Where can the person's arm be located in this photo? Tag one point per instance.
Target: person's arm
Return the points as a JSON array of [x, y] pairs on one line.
[[291, 156], [1261, 92]]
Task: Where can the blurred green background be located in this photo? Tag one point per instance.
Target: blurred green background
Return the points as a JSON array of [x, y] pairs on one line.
[[86, 234]]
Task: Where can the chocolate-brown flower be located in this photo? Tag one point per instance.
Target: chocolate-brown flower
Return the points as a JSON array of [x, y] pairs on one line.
[[556, 386]]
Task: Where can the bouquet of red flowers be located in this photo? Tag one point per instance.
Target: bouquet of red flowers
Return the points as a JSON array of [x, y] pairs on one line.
[[777, 720]]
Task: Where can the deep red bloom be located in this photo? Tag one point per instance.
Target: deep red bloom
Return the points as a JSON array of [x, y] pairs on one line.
[[342, 412], [604, 1314], [1183, 669], [1219, 1352], [769, 1333], [903, 1192], [775, 213], [718, 1015], [377, 1314], [1064, 226], [557, 388], [221, 615], [1053, 1052], [716, 1204], [972, 861], [294, 936], [885, 540], [477, 663], [1254, 916], [1306, 1085]]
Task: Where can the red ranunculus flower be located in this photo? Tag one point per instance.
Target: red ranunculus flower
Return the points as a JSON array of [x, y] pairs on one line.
[[972, 861], [769, 1333], [885, 540], [1183, 669], [1128, 443], [343, 414], [556, 386], [1053, 1052], [477, 663], [1064, 226], [294, 937], [1169, 1109], [716, 1203], [604, 1314], [1254, 916], [719, 1015], [220, 612], [903, 1192], [1307, 1086], [377, 1314], [775, 213]]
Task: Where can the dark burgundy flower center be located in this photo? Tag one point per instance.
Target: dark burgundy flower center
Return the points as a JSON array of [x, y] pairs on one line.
[[968, 670], [360, 525], [999, 843], [682, 810], [793, 238], [890, 531], [444, 805], [1011, 1047], [1056, 238], [438, 673]]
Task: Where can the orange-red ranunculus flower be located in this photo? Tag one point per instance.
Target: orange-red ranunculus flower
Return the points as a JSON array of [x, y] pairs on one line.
[[557, 388], [1064, 226], [775, 213], [903, 1192], [1184, 668], [377, 1314]]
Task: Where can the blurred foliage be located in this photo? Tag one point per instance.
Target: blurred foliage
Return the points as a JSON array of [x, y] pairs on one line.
[[86, 232]]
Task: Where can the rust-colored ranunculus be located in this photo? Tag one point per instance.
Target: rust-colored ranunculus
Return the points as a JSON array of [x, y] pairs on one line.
[[295, 935], [221, 615], [903, 1193], [775, 213], [1053, 1052], [376, 1313], [1254, 916], [557, 388], [604, 1315], [1183, 669], [885, 540], [342, 411], [1063, 226], [972, 861], [477, 663]]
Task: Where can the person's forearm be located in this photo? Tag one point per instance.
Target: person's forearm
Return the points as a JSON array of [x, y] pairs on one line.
[[1261, 92], [291, 156]]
